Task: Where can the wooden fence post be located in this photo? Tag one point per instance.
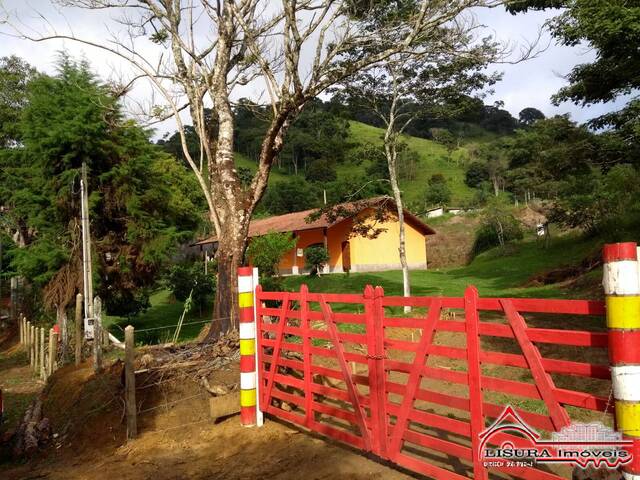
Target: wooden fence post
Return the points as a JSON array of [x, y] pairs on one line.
[[130, 382], [32, 342], [36, 349], [53, 347], [78, 329], [43, 374], [97, 335], [38, 361], [26, 336], [20, 327]]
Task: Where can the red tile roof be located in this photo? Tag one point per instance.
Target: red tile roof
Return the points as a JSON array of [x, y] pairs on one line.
[[297, 221]]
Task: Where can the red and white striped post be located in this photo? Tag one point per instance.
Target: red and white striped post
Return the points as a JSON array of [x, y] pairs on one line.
[[621, 282], [247, 282]]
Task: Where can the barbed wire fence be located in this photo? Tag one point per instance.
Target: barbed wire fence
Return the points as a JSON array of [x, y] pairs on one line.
[[161, 370]]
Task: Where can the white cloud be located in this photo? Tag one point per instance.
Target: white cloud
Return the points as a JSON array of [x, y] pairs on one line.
[[525, 84]]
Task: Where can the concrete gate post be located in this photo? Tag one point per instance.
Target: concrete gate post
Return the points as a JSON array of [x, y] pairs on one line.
[[621, 282], [249, 388]]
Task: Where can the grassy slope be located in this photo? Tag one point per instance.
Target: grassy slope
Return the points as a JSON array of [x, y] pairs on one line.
[[433, 159], [243, 161], [492, 273]]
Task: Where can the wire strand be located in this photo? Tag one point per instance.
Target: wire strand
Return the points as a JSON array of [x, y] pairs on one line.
[[188, 323]]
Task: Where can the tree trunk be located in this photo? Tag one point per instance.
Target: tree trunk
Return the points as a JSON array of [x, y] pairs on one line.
[[231, 246], [496, 185], [61, 320], [392, 155]]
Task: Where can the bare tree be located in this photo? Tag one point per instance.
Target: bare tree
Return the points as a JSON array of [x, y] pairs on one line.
[[198, 53], [429, 79]]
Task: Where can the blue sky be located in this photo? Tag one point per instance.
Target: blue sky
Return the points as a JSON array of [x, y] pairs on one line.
[[533, 82]]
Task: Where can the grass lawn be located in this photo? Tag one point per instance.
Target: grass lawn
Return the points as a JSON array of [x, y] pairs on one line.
[[494, 274], [158, 323]]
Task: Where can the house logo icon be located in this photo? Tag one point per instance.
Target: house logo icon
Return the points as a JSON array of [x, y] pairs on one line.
[[511, 442]]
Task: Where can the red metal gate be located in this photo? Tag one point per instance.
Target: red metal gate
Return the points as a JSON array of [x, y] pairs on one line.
[[418, 391]]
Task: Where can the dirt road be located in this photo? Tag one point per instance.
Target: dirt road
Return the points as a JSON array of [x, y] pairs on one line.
[[178, 441]]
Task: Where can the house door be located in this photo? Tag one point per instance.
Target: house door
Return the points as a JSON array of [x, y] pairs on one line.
[[346, 256]]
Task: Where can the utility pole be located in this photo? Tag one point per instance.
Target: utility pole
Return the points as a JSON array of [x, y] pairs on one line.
[[86, 256]]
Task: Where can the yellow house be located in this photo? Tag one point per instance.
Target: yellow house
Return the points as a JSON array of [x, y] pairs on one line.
[[359, 236]]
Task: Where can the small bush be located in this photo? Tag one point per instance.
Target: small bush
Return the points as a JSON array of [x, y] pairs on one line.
[[315, 256], [437, 194], [476, 174], [496, 233], [498, 227], [183, 278], [321, 171], [265, 252]]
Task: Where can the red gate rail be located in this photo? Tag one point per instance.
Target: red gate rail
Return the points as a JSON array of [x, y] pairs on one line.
[[419, 390]]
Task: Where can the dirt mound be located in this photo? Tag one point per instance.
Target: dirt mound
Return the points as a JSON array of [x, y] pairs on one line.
[[83, 405], [530, 218], [571, 273], [451, 245], [176, 437]]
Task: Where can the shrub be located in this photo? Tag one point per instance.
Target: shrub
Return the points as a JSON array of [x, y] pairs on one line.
[[184, 278], [292, 195], [437, 194], [488, 236], [266, 251], [128, 303], [321, 171], [315, 256], [499, 226], [600, 204], [476, 174]]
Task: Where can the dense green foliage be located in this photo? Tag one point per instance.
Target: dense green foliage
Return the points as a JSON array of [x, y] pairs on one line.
[[141, 202], [15, 75], [608, 204], [190, 279], [438, 192], [266, 251], [529, 116], [499, 226], [477, 173], [291, 195]]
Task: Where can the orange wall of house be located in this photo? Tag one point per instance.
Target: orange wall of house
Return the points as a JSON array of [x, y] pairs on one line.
[[384, 248], [304, 238], [335, 236]]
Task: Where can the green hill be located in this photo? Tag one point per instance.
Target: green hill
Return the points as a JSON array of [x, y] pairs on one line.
[[433, 158]]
